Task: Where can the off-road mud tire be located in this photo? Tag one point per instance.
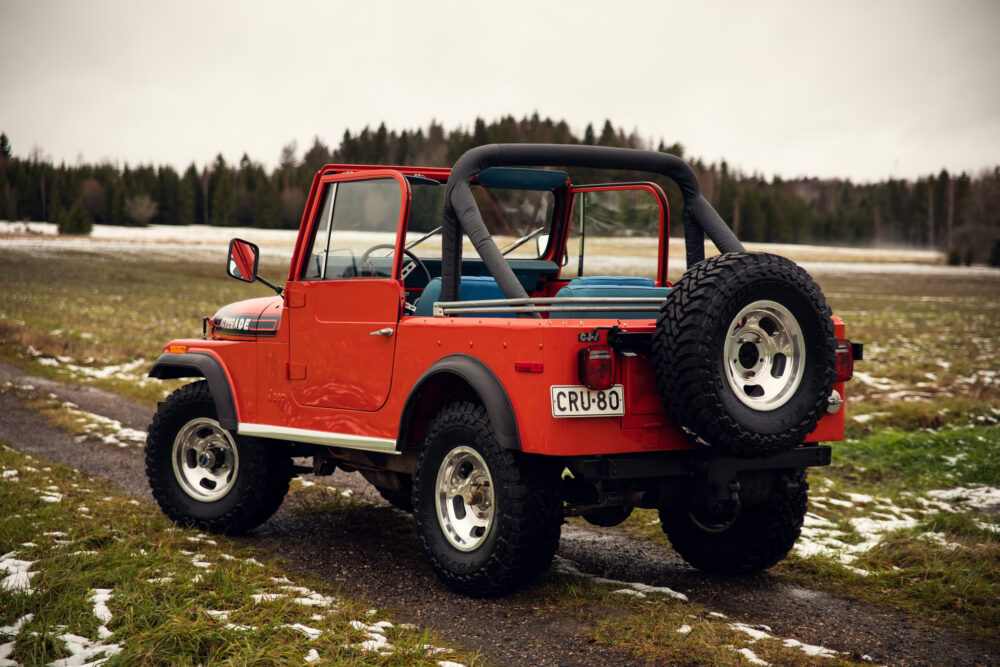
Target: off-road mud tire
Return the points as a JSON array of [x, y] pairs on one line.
[[691, 368], [757, 538], [259, 486], [524, 533]]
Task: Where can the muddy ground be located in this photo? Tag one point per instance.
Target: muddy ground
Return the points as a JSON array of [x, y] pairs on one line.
[[384, 564]]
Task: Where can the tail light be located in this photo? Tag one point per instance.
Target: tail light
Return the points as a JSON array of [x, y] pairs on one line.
[[845, 360], [597, 367]]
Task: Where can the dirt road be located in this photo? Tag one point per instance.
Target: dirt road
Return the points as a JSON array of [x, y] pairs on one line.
[[376, 555]]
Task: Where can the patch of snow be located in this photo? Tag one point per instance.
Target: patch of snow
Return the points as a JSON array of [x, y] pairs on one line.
[[311, 633], [751, 657], [977, 497], [882, 384], [99, 597], [684, 629], [83, 651], [754, 631], [568, 567], [312, 656], [628, 591], [18, 577], [241, 628], [810, 649]]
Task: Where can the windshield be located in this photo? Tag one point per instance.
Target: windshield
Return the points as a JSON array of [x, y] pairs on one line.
[[510, 215]]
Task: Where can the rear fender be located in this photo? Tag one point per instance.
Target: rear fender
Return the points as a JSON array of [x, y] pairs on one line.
[[199, 364], [455, 377]]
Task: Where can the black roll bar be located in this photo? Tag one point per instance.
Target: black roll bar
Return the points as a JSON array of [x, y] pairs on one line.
[[461, 212]]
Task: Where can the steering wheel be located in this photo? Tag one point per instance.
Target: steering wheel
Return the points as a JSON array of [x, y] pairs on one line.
[[406, 270]]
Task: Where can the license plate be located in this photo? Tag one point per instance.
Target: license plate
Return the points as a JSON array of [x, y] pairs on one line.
[[577, 401]]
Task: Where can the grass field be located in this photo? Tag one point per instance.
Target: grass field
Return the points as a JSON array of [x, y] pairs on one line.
[[86, 574], [905, 518]]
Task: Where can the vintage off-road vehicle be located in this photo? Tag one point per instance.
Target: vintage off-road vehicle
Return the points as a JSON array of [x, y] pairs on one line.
[[496, 393]]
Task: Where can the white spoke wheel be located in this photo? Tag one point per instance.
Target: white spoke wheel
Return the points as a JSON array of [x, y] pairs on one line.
[[744, 354], [202, 475], [488, 518], [464, 498], [765, 355], [205, 459]]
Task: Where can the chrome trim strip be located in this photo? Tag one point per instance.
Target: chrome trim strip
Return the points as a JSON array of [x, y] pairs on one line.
[[558, 304], [345, 440]]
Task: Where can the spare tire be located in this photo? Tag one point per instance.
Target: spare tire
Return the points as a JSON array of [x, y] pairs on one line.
[[744, 354]]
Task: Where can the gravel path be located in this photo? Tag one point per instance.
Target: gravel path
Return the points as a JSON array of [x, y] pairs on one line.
[[376, 555]]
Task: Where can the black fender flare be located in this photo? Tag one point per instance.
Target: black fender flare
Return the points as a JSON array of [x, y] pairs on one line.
[[483, 382], [199, 364]]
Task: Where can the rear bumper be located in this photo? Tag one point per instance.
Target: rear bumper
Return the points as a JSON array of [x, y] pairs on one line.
[[693, 462]]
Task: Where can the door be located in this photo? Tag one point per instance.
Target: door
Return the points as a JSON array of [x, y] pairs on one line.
[[344, 307], [620, 228]]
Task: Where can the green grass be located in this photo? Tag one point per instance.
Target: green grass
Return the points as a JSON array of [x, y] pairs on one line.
[[168, 587], [660, 628], [945, 568], [99, 311]]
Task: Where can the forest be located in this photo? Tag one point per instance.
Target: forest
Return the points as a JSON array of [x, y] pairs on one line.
[[958, 214]]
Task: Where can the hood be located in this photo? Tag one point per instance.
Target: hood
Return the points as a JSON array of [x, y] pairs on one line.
[[249, 319]]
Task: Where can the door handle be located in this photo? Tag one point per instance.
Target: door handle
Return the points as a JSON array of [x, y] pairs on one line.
[[382, 332]]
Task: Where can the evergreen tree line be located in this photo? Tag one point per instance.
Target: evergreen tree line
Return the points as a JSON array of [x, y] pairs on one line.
[[957, 213]]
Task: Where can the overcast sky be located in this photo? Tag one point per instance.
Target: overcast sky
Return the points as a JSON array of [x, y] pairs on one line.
[[864, 90]]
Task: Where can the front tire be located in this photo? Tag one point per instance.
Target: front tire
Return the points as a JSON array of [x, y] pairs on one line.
[[758, 537], [202, 475], [488, 517]]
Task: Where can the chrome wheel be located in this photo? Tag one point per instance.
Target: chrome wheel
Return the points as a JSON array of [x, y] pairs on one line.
[[205, 460], [463, 498], [764, 355]]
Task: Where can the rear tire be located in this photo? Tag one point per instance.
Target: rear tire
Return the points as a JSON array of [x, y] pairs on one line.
[[758, 537], [488, 517], [202, 475]]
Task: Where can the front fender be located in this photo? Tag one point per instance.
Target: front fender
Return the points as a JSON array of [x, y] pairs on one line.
[[199, 364]]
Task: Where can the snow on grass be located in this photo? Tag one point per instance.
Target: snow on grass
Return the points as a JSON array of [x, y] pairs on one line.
[[871, 519], [18, 576], [985, 498], [636, 589], [751, 657], [758, 632]]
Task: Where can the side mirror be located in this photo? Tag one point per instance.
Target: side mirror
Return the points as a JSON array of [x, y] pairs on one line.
[[243, 257]]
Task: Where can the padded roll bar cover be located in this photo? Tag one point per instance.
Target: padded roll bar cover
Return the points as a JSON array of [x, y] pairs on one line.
[[199, 364], [460, 206], [483, 381]]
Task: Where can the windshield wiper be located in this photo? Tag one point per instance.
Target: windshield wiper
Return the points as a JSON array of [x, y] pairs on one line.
[[520, 242], [424, 237]]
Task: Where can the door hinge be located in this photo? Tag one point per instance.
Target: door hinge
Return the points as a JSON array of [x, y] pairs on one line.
[[295, 370]]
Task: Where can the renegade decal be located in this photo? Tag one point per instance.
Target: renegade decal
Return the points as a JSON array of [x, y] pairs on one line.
[[246, 324]]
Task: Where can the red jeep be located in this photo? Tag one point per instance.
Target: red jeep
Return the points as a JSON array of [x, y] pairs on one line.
[[495, 391]]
